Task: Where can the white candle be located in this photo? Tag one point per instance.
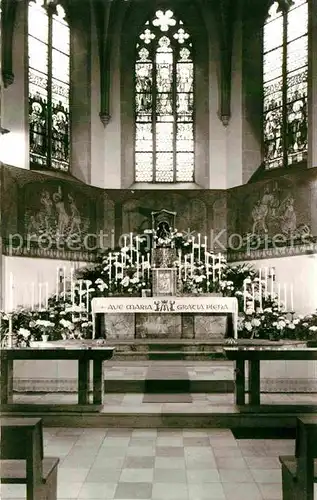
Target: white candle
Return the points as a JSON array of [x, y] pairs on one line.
[[80, 293], [185, 267], [253, 297], [260, 288], [219, 257], [131, 242], [46, 295], [207, 267], [245, 295], [87, 295], [179, 263], [40, 296], [285, 297], [11, 295], [272, 285], [292, 297], [57, 283], [213, 268], [206, 243], [116, 267], [64, 283], [199, 247], [10, 332], [192, 264], [110, 265], [279, 296], [142, 265], [266, 283], [32, 295], [149, 265]]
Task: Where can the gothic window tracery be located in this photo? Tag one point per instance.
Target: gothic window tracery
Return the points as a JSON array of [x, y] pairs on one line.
[[285, 71], [49, 85], [164, 101]]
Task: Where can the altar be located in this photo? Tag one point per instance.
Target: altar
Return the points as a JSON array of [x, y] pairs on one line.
[[145, 317]]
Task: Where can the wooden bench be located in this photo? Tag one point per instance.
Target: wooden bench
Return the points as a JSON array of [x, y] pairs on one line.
[[299, 472], [22, 460]]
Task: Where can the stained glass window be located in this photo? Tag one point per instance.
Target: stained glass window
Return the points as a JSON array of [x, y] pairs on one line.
[[285, 69], [49, 61], [164, 101]]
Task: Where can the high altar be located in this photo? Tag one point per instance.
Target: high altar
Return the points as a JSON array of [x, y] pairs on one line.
[[204, 317]]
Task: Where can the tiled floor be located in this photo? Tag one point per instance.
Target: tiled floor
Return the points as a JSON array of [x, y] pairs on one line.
[[162, 464]]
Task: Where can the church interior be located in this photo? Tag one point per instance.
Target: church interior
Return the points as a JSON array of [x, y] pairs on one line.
[[158, 249]]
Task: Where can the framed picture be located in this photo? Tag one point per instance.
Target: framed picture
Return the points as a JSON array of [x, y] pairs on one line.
[[164, 281]]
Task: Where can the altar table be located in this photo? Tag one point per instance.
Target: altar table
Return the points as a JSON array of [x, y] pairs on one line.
[[81, 352], [254, 355], [167, 304]]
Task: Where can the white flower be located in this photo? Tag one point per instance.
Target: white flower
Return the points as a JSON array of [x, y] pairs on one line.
[[67, 324], [255, 322], [291, 326], [134, 280], [268, 310], [125, 281], [24, 332], [313, 328], [248, 326], [296, 321]]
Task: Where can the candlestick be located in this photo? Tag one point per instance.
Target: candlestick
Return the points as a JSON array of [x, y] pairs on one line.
[[207, 268], [142, 265], [292, 297], [149, 265], [185, 267], [285, 297], [192, 264], [198, 247], [206, 240], [64, 283], [80, 293], [179, 264], [116, 268]]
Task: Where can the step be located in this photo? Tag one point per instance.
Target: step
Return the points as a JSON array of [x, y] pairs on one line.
[[168, 355], [142, 386]]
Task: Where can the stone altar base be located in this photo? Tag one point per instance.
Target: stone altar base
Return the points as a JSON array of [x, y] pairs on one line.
[[164, 326]]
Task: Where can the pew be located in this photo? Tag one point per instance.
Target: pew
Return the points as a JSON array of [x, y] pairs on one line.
[[299, 472], [23, 461]]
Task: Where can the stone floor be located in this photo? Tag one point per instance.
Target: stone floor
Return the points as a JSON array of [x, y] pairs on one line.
[[162, 464]]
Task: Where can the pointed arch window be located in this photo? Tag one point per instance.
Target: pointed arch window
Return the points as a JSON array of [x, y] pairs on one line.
[[164, 101], [285, 72], [49, 85]]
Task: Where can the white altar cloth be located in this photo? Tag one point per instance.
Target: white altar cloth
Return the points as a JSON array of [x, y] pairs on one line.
[[168, 304]]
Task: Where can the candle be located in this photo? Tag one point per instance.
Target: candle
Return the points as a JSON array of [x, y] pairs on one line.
[[11, 298], [142, 265], [46, 296], [292, 297], [10, 332], [266, 283], [179, 263], [80, 293], [131, 242], [279, 296], [192, 264], [260, 288], [285, 297], [149, 265], [116, 268], [206, 243], [213, 269], [125, 241], [253, 297], [40, 296], [207, 267], [219, 257], [87, 295], [245, 295], [185, 267], [110, 264], [272, 285], [57, 283], [199, 247], [32, 295], [64, 283]]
